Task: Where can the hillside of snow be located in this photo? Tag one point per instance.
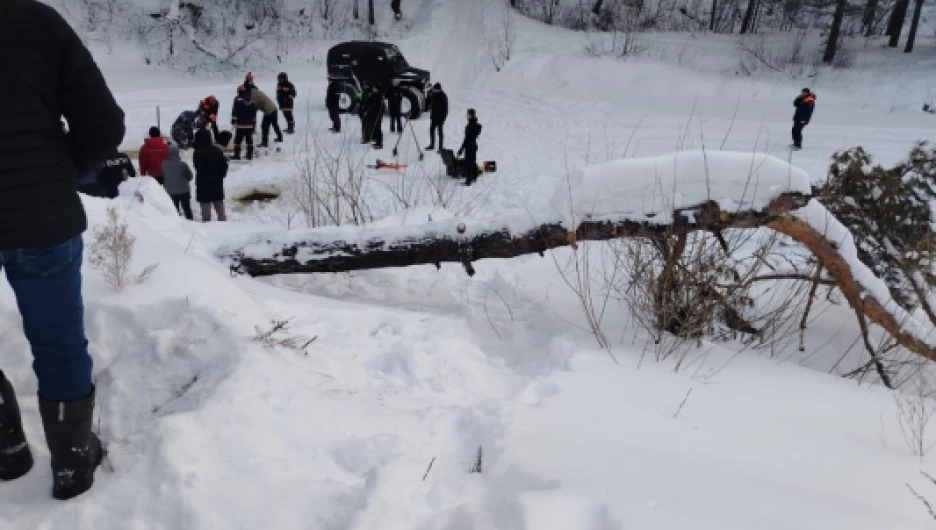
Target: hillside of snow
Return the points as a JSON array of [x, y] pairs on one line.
[[398, 384]]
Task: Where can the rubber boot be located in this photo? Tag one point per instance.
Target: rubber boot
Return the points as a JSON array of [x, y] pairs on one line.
[[291, 129], [236, 153], [15, 458], [76, 451], [250, 151]]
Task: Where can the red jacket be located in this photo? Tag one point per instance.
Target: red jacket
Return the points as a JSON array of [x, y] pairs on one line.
[[152, 155]]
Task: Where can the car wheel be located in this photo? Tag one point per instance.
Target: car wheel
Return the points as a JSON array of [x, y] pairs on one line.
[[412, 103], [347, 98]]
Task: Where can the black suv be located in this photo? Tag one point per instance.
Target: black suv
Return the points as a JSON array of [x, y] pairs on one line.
[[358, 62]]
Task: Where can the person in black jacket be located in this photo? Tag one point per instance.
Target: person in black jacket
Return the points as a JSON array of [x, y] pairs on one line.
[[372, 116], [108, 177], [469, 146], [285, 96], [804, 105], [244, 120], [395, 108], [211, 167], [438, 112], [332, 101], [49, 74]]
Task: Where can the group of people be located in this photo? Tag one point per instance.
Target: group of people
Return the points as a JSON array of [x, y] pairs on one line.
[[248, 103], [374, 103]]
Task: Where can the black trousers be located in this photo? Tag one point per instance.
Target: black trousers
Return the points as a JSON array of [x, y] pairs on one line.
[[798, 133], [396, 122], [268, 120], [183, 204], [471, 164], [433, 127], [287, 113], [377, 130], [240, 136], [335, 119]]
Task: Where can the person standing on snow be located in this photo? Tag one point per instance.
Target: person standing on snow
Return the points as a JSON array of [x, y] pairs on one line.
[[373, 111], [211, 168], [177, 176], [438, 112], [332, 103], [285, 97], [264, 104], [469, 146], [244, 120], [41, 222], [805, 103], [208, 109], [395, 107], [152, 154]]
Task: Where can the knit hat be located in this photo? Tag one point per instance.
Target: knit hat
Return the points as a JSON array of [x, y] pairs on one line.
[[437, 86], [282, 76], [154, 132], [472, 113]]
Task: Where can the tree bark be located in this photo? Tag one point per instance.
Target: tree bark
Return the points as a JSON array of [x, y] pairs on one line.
[[867, 19], [748, 16], [895, 26], [911, 37], [835, 31], [596, 9], [712, 18], [355, 10], [321, 250], [370, 13]]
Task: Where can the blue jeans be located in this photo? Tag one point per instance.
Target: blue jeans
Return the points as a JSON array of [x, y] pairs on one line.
[[47, 285]]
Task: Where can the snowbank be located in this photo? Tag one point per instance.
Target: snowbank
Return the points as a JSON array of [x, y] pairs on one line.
[[641, 189]]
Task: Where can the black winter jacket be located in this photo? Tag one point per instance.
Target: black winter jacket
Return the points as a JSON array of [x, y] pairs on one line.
[[395, 101], [48, 74], [472, 131], [211, 167], [438, 107], [285, 95], [332, 96], [116, 169], [373, 107], [804, 108], [244, 113]]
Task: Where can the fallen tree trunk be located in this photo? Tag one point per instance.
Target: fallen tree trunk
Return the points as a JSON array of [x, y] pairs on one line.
[[342, 249]]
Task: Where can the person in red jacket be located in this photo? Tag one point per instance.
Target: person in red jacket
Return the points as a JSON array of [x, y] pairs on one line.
[[154, 151]]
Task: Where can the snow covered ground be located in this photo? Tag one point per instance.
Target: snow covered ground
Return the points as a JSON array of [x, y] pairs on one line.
[[377, 422]]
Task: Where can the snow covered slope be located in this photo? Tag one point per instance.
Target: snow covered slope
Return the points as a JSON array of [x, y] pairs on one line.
[[377, 422]]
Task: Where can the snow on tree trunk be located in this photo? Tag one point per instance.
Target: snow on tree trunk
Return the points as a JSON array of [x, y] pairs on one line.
[[911, 37]]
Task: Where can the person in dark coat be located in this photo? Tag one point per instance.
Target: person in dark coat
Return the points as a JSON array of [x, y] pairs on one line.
[[469, 146], [373, 113], [438, 112], [105, 181], [395, 108], [208, 109], [183, 129], [211, 167], [244, 120], [49, 74], [285, 98], [805, 103], [332, 102]]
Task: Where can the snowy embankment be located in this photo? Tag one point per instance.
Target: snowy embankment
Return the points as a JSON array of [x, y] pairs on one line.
[[209, 429]]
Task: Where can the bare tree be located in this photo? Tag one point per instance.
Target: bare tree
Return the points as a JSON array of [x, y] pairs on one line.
[[596, 9], [917, 11], [370, 13], [835, 31], [356, 10], [895, 26]]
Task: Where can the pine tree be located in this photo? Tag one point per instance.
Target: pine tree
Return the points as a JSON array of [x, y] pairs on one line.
[[888, 211]]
